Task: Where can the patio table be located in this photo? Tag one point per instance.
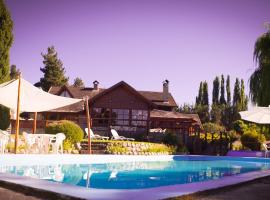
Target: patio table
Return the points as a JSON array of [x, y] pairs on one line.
[[43, 141]]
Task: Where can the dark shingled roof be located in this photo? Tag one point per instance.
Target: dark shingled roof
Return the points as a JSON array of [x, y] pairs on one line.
[[80, 92], [175, 115]]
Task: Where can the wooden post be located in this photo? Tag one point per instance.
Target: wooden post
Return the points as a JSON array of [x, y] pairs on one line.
[[88, 124], [18, 114], [35, 123]]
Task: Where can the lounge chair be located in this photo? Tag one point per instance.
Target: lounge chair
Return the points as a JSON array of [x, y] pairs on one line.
[[95, 136], [57, 143], [116, 136]]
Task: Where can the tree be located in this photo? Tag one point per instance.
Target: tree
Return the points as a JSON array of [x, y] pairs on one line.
[[215, 93], [14, 72], [259, 84], [222, 91], [6, 39], [236, 94], [54, 72], [200, 94], [244, 98], [228, 90], [205, 98], [78, 82]]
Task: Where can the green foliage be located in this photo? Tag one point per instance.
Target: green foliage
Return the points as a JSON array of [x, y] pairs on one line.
[[6, 39], [222, 100], [112, 149], [170, 138], [252, 139], [4, 117], [217, 113], [239, 126], [14, 72], [54, 72], [78, 82], [213, 128], [205, 99], [259, 84], [215, 93], [72, 131], [228, 90]]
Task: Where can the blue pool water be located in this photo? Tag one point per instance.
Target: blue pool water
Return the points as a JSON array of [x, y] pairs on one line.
[[138, 175]]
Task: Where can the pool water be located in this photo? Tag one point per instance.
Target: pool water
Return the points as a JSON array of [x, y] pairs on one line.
[[139, 175]]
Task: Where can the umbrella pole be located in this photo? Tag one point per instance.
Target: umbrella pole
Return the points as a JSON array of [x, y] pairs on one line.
[[35, 123], [18, 115], [88, 124]]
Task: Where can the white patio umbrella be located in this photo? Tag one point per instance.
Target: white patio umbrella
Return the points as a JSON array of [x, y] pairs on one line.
[[21, 96], [259, 115]]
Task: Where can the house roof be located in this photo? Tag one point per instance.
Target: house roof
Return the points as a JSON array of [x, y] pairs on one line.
[[175, 115], [155, 98]]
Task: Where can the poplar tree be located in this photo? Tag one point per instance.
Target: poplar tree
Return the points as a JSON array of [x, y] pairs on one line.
[[243, 97], [205, 98], [215, 93], [237, 94], [54, 72], [228, 90], [6, 39], [222, 91], [200, 94]]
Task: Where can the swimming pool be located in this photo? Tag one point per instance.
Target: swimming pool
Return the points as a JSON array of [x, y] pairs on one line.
[[132, 173]]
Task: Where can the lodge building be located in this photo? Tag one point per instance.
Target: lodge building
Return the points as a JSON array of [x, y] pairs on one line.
[[133, 113]]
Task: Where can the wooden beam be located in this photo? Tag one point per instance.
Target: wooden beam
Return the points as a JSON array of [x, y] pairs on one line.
[[35, 123], [88, 124], [18, 115]]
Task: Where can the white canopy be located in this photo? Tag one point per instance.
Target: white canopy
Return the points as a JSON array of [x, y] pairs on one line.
[[32, 99], [259, 115]]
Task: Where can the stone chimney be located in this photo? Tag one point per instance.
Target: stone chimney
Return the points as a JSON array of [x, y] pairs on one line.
[[166, 90], [95, 84]]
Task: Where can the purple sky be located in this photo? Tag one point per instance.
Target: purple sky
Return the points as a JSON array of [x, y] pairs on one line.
[[141, 42]]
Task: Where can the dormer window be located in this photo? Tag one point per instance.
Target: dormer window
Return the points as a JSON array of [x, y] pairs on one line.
[[65, 94]]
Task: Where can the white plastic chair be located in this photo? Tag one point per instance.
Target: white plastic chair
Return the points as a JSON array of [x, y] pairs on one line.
[[116, 136], [265, 150], [31, 143], [4, 138], [95, 136], [57, 143]]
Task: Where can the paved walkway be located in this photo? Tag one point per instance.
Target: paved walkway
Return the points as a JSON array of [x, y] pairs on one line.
[[6, 194], [255, 190]]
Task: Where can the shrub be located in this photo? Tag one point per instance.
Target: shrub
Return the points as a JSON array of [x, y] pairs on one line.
[[72, 131], [4, 117], [213, 128], [239, 126], [170, 138], [252, 139]]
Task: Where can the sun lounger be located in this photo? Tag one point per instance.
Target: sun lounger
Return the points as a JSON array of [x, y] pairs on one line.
[[95, 136], [116, 136]]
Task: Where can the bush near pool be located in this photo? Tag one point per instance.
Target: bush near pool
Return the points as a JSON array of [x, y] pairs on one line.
[[72, 131]]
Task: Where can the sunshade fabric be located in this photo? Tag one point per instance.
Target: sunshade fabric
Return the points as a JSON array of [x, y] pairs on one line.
[[259, 115], [32, 99]]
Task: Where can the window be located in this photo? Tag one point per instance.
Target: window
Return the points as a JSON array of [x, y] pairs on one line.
[[100, 116], [120, 117], [139, 117], [65, 94]]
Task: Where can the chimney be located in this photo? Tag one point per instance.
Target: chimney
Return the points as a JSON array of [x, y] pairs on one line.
[[95, 83], [166, 90]]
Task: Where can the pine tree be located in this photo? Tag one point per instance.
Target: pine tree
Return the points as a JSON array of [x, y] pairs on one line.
[[6, 39], [222, 91], [78, 82], [14, 72], [228, 90], [215, 93], [54, 72]]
